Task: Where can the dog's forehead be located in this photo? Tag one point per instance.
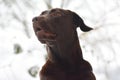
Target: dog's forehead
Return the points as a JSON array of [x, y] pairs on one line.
[[55, 12]]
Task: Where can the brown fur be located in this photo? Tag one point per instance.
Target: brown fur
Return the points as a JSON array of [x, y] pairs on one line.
[[57, 29]]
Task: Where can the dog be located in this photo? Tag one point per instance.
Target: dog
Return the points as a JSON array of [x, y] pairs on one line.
[[57, 29]]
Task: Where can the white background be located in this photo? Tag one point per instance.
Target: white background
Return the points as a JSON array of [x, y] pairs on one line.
[[101, 47]]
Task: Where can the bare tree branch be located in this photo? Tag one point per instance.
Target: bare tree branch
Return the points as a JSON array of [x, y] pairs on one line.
[[48, 4]]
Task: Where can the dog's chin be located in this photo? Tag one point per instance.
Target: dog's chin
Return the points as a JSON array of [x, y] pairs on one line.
[[49, 43], [45, 37], [47, 40], [42, 41]]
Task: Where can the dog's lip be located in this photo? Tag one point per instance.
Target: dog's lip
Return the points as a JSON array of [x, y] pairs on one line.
[[48, 40], [48, 36]]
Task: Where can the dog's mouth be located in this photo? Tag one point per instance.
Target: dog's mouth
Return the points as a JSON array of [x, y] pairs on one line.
[[44, 35]]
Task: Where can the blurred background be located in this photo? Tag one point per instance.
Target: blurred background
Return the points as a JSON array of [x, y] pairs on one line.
[[22, 55]]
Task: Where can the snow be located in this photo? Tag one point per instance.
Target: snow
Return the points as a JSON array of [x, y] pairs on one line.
[[13, 66]]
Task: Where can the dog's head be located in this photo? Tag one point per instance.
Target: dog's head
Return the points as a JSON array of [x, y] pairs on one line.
[[58, 25]]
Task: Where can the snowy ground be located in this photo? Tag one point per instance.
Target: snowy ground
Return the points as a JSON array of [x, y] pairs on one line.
[[15, 66]]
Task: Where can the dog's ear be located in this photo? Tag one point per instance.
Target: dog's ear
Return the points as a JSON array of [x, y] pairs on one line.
[[80, 23]]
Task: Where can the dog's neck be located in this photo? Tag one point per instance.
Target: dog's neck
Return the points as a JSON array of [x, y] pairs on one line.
[[68, 55]]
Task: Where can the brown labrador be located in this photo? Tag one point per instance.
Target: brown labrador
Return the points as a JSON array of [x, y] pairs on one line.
[[57, 29]]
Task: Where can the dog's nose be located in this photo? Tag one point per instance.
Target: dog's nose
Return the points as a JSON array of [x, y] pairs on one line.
[[35, 19], [39, 18]]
